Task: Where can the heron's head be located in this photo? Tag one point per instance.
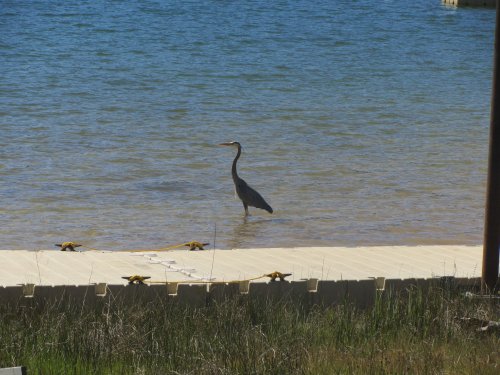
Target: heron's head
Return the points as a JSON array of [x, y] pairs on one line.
[[234, 144]]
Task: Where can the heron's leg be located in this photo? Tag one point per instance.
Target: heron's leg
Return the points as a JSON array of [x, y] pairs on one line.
[[246, 209]]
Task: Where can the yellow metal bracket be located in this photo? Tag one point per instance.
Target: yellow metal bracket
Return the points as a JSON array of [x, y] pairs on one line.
[[278, 275], [68, 246], [193, 245], [136, 279]]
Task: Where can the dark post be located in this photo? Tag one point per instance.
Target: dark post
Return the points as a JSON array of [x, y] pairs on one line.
[[491, 244]]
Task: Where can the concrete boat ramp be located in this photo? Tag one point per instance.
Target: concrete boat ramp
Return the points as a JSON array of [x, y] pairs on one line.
[[328, 274]]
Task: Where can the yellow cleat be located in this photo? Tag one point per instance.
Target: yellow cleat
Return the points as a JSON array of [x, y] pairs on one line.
[[193, 245], [68, 245], [136, 279], [278, 275]]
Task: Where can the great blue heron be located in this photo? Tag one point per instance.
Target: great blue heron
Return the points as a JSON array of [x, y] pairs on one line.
[[248, 196]]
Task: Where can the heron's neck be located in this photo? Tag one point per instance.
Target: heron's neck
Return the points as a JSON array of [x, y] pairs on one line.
[[233, 170]]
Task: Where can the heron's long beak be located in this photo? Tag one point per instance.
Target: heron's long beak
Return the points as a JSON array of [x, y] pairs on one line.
[[226, 144]]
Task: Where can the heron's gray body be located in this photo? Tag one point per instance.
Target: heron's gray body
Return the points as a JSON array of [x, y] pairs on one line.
[[248, 195]]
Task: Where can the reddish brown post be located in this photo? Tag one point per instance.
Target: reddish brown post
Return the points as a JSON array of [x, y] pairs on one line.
[[491, 243]]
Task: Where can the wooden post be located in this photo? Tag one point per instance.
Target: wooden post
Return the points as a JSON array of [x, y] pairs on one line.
[[491, 243]]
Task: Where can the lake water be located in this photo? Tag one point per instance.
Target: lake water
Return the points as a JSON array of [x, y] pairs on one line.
[[362, 122]]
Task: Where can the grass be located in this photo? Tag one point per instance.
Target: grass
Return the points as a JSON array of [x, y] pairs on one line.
[[411, 333]]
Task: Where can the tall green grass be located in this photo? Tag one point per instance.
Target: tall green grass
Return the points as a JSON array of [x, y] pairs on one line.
[[414, 333]]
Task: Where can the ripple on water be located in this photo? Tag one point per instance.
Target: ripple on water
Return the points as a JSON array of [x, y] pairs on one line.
[[352, 119]]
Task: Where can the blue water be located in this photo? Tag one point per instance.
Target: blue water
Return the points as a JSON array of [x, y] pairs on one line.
[[362, 122]]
